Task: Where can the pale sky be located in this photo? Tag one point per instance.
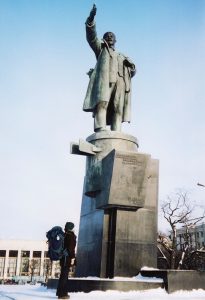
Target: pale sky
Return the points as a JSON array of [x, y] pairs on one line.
[[44, 58]]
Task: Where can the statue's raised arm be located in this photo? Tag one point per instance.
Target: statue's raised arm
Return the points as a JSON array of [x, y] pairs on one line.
[[91, 17], [91, 34], [109, 91]]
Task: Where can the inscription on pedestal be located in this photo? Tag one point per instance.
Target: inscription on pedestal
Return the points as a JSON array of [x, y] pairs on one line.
[[125, 177], [129, 159]]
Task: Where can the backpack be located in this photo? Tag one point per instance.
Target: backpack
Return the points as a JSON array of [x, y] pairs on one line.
[[55, 242]]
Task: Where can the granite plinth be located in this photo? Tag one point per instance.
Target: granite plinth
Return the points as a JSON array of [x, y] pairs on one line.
[[185, 280], [118, 223], [176, 280]]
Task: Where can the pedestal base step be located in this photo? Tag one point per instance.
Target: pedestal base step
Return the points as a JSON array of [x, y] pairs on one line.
[[87, 285], [171, 280]]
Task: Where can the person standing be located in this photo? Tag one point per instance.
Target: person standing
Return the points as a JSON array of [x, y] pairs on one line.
[[66, 261]]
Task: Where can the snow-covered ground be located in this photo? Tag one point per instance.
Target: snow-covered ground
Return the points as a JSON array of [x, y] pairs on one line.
[[37, 292]]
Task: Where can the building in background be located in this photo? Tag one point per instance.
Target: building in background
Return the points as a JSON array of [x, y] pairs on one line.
[[24, 260], [194, 234]]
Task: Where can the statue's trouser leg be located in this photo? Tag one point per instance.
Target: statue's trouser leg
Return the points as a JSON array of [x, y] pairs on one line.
[[118, 105], [100, 116]]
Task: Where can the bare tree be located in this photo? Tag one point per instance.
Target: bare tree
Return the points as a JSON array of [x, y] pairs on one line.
[[47, 269], [178, 210], [34, 267]]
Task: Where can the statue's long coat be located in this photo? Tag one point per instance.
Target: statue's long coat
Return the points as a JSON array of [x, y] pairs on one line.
[[109, 65]]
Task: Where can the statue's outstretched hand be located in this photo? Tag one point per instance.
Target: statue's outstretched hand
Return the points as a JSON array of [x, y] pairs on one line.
[[92, 13]]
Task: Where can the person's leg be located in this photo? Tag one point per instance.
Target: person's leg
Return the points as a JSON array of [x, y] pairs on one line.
[[63, 282], [62, 289], [100, 116]]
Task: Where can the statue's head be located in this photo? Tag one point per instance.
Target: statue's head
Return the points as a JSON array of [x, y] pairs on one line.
[[110, 38]]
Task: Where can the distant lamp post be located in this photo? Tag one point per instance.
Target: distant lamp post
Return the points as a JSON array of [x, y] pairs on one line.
[[200, 184]]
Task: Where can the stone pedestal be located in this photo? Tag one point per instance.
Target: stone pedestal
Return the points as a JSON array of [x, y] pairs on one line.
[[118, 223]]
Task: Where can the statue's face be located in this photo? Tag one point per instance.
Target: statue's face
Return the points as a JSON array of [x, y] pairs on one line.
[[110, 38]]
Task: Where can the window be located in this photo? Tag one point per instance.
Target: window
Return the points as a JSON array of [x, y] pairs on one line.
[[57, 269], [24, 266], [47, 266], [13, 253], [202, 234], [25, 253], [24, 263], [46, 254], [36, 254], [2, 253], [34, 267], [2, 262], [11, 269]]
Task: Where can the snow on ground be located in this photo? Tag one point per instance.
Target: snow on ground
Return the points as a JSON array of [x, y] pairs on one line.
[[37, 292]]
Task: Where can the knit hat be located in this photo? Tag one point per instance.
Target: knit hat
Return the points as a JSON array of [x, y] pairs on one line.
[[69, 226]]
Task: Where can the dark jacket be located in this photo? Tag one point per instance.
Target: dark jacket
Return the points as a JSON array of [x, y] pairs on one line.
[[70, 243]]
